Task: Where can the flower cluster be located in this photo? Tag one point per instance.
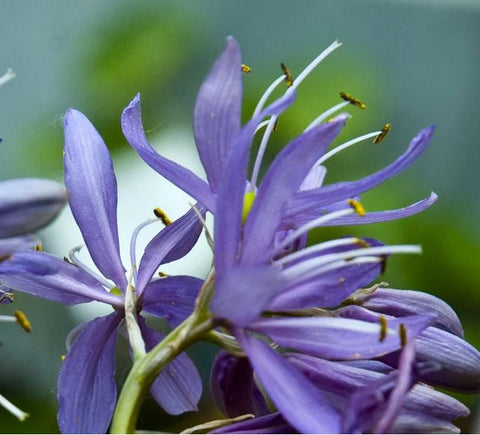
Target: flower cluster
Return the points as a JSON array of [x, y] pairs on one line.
[[310, 345]]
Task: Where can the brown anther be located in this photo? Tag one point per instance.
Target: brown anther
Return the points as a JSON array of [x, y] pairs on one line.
[[403, 334], [275, 126], [162, 216], [22, 320], [246, 69], [362, 243], [288, 75], [162, 274], [383, 133], [353, 100], [383, 264], [39, 247], [383, 328], [357, 206]]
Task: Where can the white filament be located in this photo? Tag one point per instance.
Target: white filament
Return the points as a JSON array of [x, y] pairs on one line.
[[75, 260], [9, 406], [326, 114], [9, 75]]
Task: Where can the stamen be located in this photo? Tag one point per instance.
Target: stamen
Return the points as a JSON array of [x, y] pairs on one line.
[[62, 357], [22, 320], [314, 263], [352, 100], [39, 247], [326, 114], [383, 133], [317, 248], [9, 75], [357, 206], [266, 95], [246, 69], [208, 235], [133, 240], [288, 75], [261, 125], [310, 67], [346, 145], [162, 216], [383, 328], [9, 406], [76, 262], [310, 225], [403, 334], [163, 274]]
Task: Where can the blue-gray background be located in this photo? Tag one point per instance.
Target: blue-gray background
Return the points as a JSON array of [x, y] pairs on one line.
[[413, 62]]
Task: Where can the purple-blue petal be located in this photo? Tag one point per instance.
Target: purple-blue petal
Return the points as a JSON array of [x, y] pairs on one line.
[[299, 401], [271, 423], [170, 244], [92, 188], [340, 338], [244, 291], [186, 180], [86, 386], [233, 387], [216, 119], [172, 297], [320, 197], [178, 387], [41, 274], [282, 180], [28, 204], [19, 244]]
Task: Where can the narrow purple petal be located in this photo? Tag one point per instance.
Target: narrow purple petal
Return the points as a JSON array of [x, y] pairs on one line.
[[92, 188], [384, 216], [217, 113], [86, 387], [271, 423], [320, 197], [234, 388], [19, 243], [299, 401], [340, 338], [400, 303], [172, 297], [178, 387], [314, 178], [244, 291], [186, 180], [228, 222], [46, 276], [170, 244], [416, 422], [282, 180], [28, 204]]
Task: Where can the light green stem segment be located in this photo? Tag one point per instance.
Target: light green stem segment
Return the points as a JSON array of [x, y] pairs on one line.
[[146, 367]]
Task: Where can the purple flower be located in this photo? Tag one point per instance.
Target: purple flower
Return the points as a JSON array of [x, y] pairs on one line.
[[86, 387]]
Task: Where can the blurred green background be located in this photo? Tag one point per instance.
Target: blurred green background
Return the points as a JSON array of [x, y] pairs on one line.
[[413, 62]]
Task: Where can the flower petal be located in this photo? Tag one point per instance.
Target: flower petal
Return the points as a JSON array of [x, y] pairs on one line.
[[19, 243], [178, 387], [320, 197], [170, 244], [233, 387], [46, 276], [28, 204], [400, 303], [172, 297], [299, 401], [186, 180], [282, 180], [340, 338], [92, 187], [86, 387], [217, 113], [243, 292], [271, 423]]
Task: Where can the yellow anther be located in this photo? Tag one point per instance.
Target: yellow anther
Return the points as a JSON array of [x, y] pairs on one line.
[[162, 274], [62, 357], [288, 75], [248, 200], [162, 216], [246, 69], [362, 243], [383, 328], [39, 247], [353, 100], [403, 334], [383, 133], [357, 206], [22, 320]]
